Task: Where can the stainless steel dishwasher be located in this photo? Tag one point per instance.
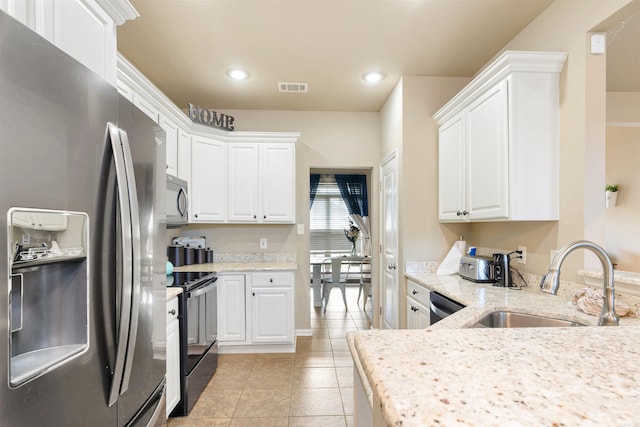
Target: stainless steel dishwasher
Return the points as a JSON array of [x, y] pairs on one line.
[[441, 307]]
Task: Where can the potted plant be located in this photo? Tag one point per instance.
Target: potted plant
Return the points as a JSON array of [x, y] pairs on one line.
[[611, 195]]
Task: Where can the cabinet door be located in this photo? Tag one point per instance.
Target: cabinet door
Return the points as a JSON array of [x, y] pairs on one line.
[[243, 182], [412, 317], [277, 182], [231, 308], [424, 316], [173, 356], [418, 316], [487, 155], [81, 28], [171, 130], [184, 155], [451, 170], [146, 106], [208, 180], [272, 315]]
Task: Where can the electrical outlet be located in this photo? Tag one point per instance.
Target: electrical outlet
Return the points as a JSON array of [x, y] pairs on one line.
[[300, 229], [263, 243], [523, 256]]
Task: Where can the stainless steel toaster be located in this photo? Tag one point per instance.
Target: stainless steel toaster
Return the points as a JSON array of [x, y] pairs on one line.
[[477, 268]]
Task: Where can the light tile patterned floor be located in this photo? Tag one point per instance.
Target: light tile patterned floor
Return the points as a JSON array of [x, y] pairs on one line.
[[311, 387]]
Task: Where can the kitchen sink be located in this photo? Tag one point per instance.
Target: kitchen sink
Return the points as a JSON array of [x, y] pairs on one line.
[[513, 319]]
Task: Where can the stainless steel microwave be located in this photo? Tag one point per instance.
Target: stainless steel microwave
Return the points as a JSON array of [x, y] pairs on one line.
[[177, 202]]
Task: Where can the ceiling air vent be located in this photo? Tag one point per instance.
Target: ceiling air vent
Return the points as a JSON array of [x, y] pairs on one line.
[[293, 87]]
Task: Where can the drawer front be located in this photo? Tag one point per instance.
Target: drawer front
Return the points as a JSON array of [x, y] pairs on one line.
[[172, 310], [418, 293], [272, 279]]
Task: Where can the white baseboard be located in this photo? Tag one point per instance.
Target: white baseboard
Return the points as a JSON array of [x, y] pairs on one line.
[[304, 332]]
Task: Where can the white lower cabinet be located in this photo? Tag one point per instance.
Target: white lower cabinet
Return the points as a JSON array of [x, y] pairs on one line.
[[173, 355], [272, 308], [418, 313], [260, 319], [231, 308]]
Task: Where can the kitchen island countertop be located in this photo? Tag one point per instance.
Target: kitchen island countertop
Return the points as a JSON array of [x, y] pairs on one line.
[[580, 376]]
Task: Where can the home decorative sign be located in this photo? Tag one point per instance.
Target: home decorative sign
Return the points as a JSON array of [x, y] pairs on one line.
[[211, 118]]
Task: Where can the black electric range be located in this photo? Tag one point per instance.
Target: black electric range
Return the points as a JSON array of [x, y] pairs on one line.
[[198, 310]]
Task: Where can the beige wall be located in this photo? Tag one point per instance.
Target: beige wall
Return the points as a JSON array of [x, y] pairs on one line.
[[328, 140], [563, 26], [407, 128], [622, 223]]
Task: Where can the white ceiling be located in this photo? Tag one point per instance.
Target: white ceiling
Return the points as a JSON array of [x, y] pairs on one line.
[[185, 47]]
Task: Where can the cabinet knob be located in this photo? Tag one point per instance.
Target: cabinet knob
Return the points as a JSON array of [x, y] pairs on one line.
[[270, 280], [196, 215], [255, 217], [414, 292], [172, 312], [465, 213], [458, 213], [264, 217], [253, 293]]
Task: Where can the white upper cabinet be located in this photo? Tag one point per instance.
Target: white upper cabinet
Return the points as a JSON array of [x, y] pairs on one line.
[[208, 180], [452, 183], [234, 177], [262, 182], [277, 182], [184, 155], [498, 142], [171, 131], [84, 29], [244, 182]]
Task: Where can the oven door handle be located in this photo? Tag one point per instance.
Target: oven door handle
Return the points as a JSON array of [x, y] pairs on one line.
[[202, 290]]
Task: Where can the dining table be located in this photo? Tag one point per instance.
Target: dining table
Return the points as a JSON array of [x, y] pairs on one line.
[[316, 262]]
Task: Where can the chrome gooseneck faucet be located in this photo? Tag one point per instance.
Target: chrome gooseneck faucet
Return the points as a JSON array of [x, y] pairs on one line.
[[551, 282]]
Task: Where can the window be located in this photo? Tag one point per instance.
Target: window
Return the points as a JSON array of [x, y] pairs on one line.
[[329, 218]]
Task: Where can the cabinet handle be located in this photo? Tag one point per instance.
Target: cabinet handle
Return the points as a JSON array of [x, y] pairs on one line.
[[172, 312], [414, 292]]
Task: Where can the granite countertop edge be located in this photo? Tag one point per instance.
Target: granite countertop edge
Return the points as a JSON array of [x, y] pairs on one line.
[[232, 266], [478, 383]]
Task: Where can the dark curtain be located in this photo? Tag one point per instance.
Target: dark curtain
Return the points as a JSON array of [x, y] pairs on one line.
[[353, 189], [313, 185]]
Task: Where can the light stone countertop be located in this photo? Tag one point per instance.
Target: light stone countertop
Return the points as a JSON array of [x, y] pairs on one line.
[[451, 376], [224, 267], [173, 292]]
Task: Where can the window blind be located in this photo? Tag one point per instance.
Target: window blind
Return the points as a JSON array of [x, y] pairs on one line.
[[328, 219]]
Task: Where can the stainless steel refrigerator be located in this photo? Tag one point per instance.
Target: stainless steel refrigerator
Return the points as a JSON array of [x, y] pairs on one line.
[[82, 312]]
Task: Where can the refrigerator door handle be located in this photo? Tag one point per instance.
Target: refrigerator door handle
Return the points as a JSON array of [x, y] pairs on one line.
[[137, 256], [125, 230]]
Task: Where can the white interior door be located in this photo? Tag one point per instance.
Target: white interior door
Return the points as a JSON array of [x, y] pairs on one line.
[[388, 266]]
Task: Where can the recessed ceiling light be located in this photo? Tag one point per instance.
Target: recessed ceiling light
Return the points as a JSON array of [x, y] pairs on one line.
[[373, 76], [237, 74]]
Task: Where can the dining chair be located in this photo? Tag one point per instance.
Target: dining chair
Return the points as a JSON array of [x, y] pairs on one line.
[[332, 277], [365, 283]]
